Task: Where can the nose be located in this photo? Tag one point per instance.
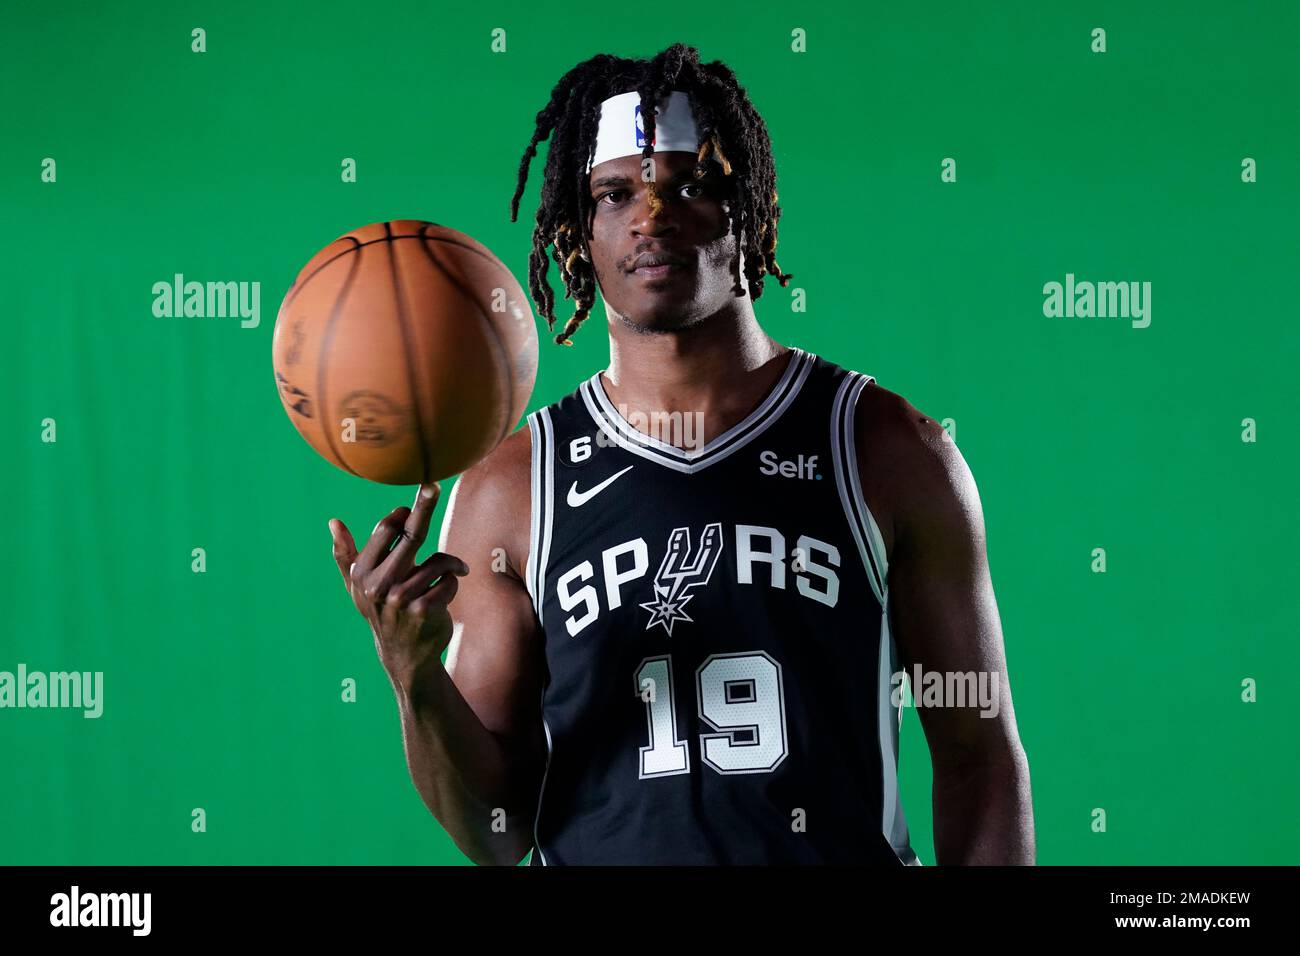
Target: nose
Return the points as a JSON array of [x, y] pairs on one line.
[[653, 215]]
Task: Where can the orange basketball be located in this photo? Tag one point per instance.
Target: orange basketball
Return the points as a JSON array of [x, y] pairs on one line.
[[404, 352]]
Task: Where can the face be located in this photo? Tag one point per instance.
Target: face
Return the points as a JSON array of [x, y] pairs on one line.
[[690, 228]]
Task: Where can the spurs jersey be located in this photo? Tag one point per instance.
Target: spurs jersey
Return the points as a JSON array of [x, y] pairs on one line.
[[717, 643]]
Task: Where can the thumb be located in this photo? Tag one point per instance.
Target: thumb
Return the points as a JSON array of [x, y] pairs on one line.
[[345, 550]]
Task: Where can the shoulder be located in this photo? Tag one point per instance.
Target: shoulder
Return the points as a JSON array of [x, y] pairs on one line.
[[912, 472], [500, 471], [497, 490], [490, 502], [891, 429]]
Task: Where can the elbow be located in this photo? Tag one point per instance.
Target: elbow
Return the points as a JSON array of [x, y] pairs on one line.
[[499, 854], [486, 846]]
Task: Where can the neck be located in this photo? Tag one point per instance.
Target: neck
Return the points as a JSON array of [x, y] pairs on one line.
[[719, 368]]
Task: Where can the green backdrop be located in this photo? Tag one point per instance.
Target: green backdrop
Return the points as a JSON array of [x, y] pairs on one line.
[[222, 688]]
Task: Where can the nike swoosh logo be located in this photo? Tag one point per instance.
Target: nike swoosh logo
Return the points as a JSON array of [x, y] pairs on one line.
[[578, 498]]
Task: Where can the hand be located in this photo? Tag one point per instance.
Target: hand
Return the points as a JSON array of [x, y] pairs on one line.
[[409, 619]]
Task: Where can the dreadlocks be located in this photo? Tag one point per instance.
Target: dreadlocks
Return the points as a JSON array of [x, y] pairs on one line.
[[730, 129]]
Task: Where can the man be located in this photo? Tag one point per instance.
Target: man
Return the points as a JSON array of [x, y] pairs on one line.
[[680, 648]]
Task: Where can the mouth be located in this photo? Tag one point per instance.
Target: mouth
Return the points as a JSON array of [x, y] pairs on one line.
[[655, 272], [656, 265]]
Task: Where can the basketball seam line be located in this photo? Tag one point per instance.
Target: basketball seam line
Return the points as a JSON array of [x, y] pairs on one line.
[[495, 336], [298, 287], [410, 367], [322, 366]]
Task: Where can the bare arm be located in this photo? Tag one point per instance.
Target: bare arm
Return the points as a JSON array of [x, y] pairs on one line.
[[944, 617], [471, 731]]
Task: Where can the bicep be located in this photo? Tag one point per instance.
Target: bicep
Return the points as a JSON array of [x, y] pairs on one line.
[[494, 655], [944, 616]]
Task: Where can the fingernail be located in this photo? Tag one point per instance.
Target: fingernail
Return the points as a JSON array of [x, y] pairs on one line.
[[426, 491], [464, 568], [331, 526]]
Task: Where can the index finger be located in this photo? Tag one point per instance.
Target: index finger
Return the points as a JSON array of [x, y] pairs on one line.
[[416, 528]]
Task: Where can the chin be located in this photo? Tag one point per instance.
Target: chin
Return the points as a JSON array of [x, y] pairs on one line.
[[657, 323]]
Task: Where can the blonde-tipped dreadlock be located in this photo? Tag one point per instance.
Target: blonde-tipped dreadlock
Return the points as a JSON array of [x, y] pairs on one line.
[[724, 115]]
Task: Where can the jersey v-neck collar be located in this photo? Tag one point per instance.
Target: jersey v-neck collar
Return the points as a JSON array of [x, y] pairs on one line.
[[620, 431]]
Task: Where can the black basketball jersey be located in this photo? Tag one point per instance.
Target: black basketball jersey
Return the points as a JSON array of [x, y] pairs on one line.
[[717, 642]]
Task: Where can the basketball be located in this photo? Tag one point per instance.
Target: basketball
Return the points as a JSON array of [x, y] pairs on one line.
[[404, 352]]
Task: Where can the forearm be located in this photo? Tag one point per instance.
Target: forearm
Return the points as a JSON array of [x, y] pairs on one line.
[[464, 773], [983, 813]]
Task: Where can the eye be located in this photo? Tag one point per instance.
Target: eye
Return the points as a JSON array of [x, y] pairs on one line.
[[702, 191]]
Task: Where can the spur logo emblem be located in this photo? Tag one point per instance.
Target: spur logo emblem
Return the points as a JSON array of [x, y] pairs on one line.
[[681, 571]]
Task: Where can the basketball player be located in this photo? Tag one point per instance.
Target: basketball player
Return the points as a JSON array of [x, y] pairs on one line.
[[677, 646]]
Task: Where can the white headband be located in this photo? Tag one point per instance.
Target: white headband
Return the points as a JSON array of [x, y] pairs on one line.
[[621, 132]]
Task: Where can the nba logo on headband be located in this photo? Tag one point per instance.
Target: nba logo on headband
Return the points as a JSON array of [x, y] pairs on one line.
[[675, 127], [640, 128]]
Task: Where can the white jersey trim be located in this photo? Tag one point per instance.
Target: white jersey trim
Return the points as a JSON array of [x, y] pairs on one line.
[[541, 522], [871, 546], [537, 819], [893, 825], [620, 431], [542, 511]]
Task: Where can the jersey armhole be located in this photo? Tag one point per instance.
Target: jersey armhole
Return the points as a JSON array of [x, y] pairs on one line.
[[866, 533], [541, 507], [871, 548]]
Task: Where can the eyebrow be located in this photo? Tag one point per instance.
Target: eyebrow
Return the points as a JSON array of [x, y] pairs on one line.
[[625, 181]]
